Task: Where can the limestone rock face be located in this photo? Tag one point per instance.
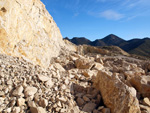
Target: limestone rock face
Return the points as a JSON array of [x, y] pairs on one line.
[[28, 30], [116, 95]]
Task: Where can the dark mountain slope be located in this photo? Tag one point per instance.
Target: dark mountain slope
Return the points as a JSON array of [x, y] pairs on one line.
[[142, 49], [112, 40], [134, 46], [98, 43], [80, 41]]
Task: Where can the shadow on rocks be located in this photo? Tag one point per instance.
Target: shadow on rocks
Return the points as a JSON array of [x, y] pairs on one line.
[[88, 99]]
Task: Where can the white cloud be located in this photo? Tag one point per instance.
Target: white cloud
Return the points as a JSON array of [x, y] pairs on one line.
[[111, 15]]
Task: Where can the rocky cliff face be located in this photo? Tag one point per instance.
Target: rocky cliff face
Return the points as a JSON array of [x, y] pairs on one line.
[[27, 30]]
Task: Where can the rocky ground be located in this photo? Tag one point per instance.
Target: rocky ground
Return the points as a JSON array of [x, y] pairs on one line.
[[75, 83]]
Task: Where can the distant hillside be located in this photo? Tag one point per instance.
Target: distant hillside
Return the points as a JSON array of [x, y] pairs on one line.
[[79, 40], [112, 40], [133, 46]]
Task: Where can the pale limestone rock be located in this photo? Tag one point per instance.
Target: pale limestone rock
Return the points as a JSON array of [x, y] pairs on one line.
[[98, 66], [146, 108], [89, 73], [16, 110], [28, 31], [66, 81], [2, 93], [83, 63], [89, 107], [8, 110], [62, 99], [43, 78], [70, 46], [62, 110], [49, 83], [146, 101], [142, 84], [116, 95], [100, 108], [21, 102], [63, 87], [37, 110], [57, 66], [18, 91], [30, 91], [75, 110], [58, 104], [1, 100]]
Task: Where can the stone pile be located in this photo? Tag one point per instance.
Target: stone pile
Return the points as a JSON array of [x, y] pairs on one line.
[[25, 87], [74, 84]]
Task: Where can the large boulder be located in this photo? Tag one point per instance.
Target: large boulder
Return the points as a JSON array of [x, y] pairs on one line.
[[116, 95], [28, 30], [142, 84]]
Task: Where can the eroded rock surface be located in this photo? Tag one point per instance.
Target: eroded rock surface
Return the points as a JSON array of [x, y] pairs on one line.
[[28, 30], [116, 95]]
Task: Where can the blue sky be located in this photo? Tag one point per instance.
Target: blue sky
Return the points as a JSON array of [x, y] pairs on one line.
[[94, 19]]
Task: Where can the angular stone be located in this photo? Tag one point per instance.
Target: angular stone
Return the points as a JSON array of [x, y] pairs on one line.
[[57, 66], [100, 108], [142, 84], [18, 91], [83, 63], [146, 108], [2, 93], [146, 101], [66, 81], [89, 107], [1, 100], [30, 91], [43, 78], [63, 87], [21, 102], [16, 110], [49, 83], [8, 110], [98, 66], [62, 99], [80, 101], [37, 110], [116, 95]]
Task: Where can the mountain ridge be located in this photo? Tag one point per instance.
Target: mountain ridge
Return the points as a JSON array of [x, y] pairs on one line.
[[133, 46]]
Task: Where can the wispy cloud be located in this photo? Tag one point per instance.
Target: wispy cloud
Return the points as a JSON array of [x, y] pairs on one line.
[[76, 14], [111, 15]]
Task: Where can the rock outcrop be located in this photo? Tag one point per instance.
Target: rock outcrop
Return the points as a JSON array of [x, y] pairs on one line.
[[116, 95], [27, 30]]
